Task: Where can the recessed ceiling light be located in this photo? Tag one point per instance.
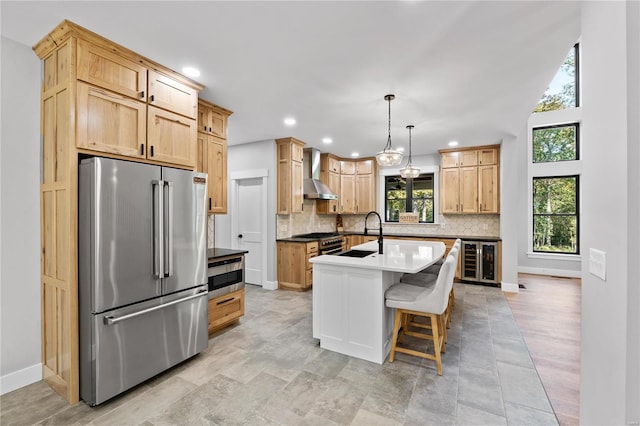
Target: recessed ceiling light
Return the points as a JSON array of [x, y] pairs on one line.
[[453, 143], [401, 148], [327, 140], [290, 121], [191, 72], [355, 154]]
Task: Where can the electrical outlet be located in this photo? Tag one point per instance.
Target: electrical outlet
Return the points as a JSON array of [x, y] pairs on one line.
[[598, 263]]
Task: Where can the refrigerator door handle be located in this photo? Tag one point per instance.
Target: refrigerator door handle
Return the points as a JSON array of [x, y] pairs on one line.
[[169, 271], [110, 320], [158, 228]]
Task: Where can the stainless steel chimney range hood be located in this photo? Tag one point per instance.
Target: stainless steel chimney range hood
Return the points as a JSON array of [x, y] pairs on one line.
[[313, 187]]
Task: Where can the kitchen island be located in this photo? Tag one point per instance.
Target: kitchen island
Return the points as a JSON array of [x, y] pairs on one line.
[[349, 312]]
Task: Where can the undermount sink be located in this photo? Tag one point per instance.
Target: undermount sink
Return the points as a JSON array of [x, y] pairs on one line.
[[356, 253]]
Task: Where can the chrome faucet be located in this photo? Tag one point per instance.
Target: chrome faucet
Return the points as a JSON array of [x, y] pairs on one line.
[[380, 228]]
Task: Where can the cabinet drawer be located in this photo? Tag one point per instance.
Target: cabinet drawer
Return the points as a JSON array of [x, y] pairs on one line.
[[312, 247], [110, 71], [110, 122], [170, 94], [225, 309]]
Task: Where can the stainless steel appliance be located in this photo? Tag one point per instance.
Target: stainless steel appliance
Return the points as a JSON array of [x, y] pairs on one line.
[[479, 262], [313, 187], [142, 272], [226, 275], [328, 242]]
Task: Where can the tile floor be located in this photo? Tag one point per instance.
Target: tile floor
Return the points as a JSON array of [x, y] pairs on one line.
[[269, 370]]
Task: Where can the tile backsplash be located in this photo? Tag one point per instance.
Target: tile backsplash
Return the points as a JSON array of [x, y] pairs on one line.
[[454, 225]]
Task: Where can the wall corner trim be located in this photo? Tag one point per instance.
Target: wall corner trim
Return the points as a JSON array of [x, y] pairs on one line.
[[20, 378], [270, 285], [510, 287]]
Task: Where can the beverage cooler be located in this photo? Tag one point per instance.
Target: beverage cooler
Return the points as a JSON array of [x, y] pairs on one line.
[[479, 262]]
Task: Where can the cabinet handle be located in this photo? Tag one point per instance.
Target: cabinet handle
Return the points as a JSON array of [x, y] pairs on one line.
[[205, 128], [152, 150], [209, 203], [210, 129], [224, 301], [152, 98], [142, 94], [302, 206], [480, 206], [141, 149]]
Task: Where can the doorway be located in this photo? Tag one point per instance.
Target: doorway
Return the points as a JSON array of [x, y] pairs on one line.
[[248, 225]]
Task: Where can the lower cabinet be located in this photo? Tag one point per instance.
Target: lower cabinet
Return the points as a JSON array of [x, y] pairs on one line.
[[295, 272], [225, 310]]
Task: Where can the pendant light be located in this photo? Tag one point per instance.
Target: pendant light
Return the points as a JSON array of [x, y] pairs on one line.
[[389, 156], [409, 171]]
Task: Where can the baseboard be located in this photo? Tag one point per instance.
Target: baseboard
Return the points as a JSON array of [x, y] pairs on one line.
[[549, 271], [510, 287], [270, 285], [20, 378]]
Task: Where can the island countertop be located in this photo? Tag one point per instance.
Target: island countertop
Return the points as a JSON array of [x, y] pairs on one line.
[[404, 256]]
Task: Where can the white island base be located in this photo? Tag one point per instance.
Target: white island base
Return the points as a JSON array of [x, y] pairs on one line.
[[349, 312]]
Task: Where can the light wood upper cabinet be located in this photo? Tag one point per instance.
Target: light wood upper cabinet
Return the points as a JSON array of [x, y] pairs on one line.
[[171, 138], [364, 167], [488, 200], [212, 119], [212, 153], [365, 193], [170, 94], [290, 175], [347, 193], [330, 175], [109, 122], [347, 167], [108, 70], [469, 180]]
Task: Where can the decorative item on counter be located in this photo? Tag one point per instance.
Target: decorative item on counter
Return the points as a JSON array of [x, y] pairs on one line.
[[339, 226], [408, 218]]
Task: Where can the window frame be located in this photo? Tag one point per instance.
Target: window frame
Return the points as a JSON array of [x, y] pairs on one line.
[[575, 124], [409, 196], [425, 167], [576, 214]]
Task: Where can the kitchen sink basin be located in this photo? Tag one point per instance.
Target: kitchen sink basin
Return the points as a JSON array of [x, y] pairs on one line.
[[356, 253]]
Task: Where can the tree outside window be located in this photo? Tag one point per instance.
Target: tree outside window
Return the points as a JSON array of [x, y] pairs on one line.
[[555, 214], [409, 195], [556, 143], [563, 91]]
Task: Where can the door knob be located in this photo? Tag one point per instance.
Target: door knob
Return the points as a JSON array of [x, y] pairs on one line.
[[239, 235]]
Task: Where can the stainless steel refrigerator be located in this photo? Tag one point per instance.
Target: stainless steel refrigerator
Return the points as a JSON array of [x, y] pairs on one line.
[[141, 274]]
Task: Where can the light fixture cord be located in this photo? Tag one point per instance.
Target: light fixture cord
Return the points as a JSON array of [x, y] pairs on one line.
[[409, 162], [388, 146]]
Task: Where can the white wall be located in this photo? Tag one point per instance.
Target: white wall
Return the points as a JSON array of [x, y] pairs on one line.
[[509, 169], [20, 357], [241, 158], [610, 339]]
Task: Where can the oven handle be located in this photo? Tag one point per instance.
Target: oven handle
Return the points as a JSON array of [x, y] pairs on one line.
[[331, 251]]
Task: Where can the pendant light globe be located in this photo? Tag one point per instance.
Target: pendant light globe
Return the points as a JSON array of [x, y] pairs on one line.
[[409, 171], [389, 156]]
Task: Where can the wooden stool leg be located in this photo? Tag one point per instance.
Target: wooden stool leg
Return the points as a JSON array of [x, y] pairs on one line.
[[396, 329], [437, 341]]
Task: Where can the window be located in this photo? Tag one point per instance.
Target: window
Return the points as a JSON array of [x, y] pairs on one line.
[[563, 92], [555, 214], [556, 143], [409, 195]]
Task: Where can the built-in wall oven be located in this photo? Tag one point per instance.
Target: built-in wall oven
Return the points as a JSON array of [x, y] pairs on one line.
[[226, 275]]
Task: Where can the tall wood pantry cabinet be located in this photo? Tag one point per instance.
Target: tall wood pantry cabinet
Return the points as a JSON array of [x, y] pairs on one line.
[[290, 179], [98, 98], [212, 153]]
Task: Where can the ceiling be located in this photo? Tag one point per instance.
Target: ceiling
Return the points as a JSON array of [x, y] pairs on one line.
[[469, 71]]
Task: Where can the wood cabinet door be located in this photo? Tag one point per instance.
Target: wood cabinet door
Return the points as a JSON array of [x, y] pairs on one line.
[[217, 171], [449, 159], [297, 151], [171, 138], [296, 187], [468, 189], [103, 68], [109, 122], [365, 194], [468, 158], [348, 194], [170, 94], [334, 184], [347, 168], [284, 185], [201, 156], [450, 190], [333, 165], [488, 189], [364, 167], [203, 118], [487, 157]]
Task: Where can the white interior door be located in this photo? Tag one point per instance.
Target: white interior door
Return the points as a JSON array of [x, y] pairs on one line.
[[250, 232]]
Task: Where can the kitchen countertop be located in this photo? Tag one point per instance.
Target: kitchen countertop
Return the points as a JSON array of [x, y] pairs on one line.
[[297, 240], [399, 256], [444, 237], [216, 253]]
